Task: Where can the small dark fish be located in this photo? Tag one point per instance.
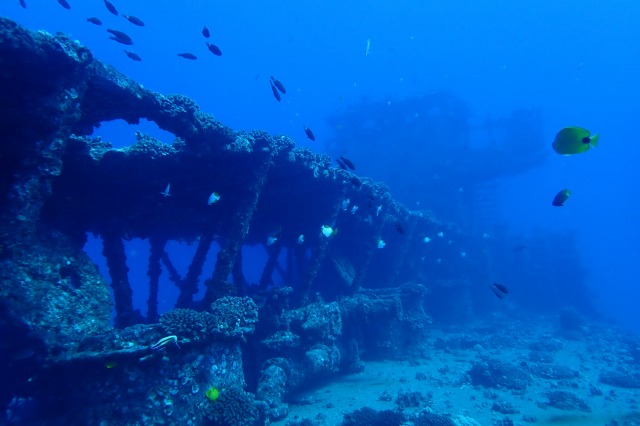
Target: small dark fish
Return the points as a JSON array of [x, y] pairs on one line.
[[309, 133], [23, 3], [348, 162], [214, 49], [205, 32], [499, 290], [65, 4], [133, 55], [275, 92], [188, 55], [341, 164], [399, 228], [278, 85], [110, 7], [94, 20], [519, 248], [356, 182], [561, 197], [120, 37], [134, 20]]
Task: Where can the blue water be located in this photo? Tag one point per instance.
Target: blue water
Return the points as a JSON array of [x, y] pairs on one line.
[[575, 60]]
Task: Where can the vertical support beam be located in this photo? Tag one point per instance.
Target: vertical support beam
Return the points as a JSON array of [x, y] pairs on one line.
[[361, 269], [189, 285], [404, 262], [155, 255], [318, 255], [270, 266], [237, 230], [238, 276], [113, 251], [289, 275], [174, 276]]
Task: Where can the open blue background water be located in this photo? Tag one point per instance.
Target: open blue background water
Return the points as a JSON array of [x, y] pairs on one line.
[[578, 61]]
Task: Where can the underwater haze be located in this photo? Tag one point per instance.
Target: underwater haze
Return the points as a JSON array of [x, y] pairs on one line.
[[577, 62]]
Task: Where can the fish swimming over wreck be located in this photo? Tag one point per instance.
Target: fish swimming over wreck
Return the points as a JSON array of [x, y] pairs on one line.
[[120, 37], [188, 55], [560, 198], [499, 290], [309, 133], [214, 49], [278, 85], [574, 140], [275, 91], [134, 20], [132, 55], [110, 7], [348, 162]]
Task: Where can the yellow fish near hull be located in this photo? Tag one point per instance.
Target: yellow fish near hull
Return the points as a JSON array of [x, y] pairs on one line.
[[574, 140]]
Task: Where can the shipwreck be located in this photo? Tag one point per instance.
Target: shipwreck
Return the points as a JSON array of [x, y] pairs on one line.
[[77, 351]]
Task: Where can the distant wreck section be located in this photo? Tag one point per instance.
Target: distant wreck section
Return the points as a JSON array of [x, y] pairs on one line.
[[63, 362]]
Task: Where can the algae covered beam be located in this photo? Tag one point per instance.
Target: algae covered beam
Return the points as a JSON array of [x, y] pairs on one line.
[[113, 251], [189, 285], [155, 256], [239, 226]]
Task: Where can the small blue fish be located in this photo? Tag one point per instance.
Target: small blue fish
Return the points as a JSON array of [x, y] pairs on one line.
[[213, 198], [328, 231], [271, 239], [166, 192]]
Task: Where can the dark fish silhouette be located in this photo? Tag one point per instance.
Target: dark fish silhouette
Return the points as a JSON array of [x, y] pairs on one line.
[[348, 162], [94, 20], [65, 4], [399, 228], [23, 4], [499, 290], [214, 49], [309, 133], [132, 55], [120, 37], [341, 164], [356, 182], [278, 85], [134, 20], [110, 7], [205, 32], [188, 55], [274, 90], [561, 197]]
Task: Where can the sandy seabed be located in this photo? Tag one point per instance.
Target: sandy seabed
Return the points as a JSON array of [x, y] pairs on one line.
[[440, 379]]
